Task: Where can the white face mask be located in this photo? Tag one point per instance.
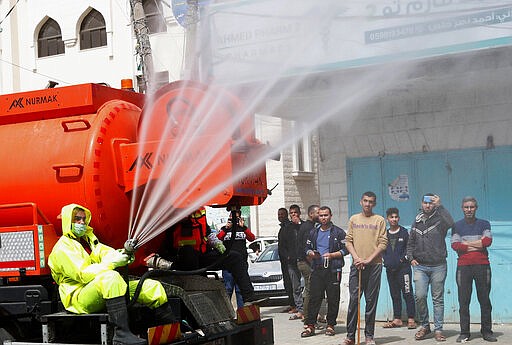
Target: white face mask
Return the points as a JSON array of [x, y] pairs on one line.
[[78, 229]]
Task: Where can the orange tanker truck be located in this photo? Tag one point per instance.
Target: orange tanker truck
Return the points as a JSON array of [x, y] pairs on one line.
[[108, 149]]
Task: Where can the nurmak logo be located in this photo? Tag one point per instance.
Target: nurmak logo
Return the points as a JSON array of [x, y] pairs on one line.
[[19, 103], [147, 162], [142, 161]]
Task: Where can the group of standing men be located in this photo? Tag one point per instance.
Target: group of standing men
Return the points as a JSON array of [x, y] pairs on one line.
[[320, 247]]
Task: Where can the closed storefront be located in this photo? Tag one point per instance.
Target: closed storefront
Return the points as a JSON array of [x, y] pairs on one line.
[[400, 181]]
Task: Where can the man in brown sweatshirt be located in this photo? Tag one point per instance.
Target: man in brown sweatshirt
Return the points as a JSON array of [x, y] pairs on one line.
[[366, 241]]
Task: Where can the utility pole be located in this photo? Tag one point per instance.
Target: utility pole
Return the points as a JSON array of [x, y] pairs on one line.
[[143, 47], [191, 19]]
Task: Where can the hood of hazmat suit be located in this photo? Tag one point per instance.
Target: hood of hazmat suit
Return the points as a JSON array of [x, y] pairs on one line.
[[73, 267]]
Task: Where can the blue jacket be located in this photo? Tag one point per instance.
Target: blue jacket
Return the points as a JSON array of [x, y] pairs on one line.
[[395, 258], [336, 244]]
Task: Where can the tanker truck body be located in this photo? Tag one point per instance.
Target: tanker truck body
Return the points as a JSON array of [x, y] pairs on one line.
[[83, 144]]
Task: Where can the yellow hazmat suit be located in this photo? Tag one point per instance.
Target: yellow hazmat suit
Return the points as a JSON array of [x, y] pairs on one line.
[[86, 280]]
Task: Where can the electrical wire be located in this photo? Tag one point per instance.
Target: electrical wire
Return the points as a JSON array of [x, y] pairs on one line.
[[9, 12], [24, 68], [31, 71]]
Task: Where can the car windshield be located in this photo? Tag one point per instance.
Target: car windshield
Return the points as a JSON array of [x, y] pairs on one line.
[[269, 254]]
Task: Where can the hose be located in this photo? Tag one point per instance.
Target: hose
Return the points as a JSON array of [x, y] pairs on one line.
[[131, 244]]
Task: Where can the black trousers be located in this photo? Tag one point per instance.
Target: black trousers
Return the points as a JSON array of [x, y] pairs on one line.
[[481, 275], [400, 283], [287, 282], [323, 281], [370, 287]]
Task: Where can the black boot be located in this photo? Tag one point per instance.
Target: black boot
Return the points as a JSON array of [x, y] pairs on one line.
[[164, 314], [118, 314]]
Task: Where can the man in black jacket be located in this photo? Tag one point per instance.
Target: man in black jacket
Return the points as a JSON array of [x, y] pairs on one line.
[[303, 262], [398, 271], [282, 216], [288, 244], [427, 253]]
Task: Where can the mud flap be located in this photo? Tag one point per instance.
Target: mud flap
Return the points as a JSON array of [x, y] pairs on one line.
[[247, 314], [164, 334], [254, 333]]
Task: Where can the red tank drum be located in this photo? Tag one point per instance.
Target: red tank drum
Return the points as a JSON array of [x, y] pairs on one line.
[[83, 144], [184, 122], [58, 147]]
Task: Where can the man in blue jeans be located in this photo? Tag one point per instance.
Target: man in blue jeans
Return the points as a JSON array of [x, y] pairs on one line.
[[427, 253]]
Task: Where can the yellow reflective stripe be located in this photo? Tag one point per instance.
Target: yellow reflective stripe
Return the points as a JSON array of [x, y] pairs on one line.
[[187, 243], [198, 214]]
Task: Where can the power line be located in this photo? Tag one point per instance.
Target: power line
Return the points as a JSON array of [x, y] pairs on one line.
[[31, 71], [8, 13]]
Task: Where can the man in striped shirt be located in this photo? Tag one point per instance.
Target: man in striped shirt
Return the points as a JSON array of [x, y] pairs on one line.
[[470, 238]]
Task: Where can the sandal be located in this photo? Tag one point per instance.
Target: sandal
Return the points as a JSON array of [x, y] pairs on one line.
[[348, 341], [296, 316], [411, 324], [370, 341], [319, 326], [308, 332], [391, 324], [329, 330], [439, 336], [422, 333]]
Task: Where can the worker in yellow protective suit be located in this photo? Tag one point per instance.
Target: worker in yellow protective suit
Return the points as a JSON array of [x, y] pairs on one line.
[[88, 282]]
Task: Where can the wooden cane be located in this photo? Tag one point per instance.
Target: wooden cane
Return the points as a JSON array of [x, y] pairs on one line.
[[359, 310]]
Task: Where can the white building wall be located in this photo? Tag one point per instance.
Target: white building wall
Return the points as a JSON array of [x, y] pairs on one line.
[[22, 70], [264, 217], [447, 103], [293, 187]]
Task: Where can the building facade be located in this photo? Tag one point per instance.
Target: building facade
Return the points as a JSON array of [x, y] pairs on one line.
[[408, 98], [444, 128], [73, 42]]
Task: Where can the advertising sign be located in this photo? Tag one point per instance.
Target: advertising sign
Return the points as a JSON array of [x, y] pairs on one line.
[[252, 40]]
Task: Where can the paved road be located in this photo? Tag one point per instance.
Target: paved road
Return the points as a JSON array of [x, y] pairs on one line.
[[287, 332]]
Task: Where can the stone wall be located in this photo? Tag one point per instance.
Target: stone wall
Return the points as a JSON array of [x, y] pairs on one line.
[[446, 103]]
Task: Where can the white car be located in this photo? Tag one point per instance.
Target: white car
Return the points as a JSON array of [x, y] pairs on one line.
[[265, 274], [257, 246]]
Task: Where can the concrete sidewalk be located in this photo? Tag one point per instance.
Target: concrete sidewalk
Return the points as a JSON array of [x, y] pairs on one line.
[[287, 332]]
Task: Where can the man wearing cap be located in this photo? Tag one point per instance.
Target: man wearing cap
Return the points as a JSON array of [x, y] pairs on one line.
[[426, 251]]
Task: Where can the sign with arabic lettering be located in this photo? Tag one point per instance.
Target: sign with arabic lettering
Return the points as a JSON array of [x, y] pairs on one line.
[[477, 19], [250, 40]]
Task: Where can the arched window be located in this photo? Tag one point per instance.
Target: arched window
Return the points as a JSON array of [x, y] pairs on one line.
[[154, 16], [93, 32], [49, 41]]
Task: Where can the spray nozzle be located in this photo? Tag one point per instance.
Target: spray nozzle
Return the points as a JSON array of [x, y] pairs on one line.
[[130, 246]]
